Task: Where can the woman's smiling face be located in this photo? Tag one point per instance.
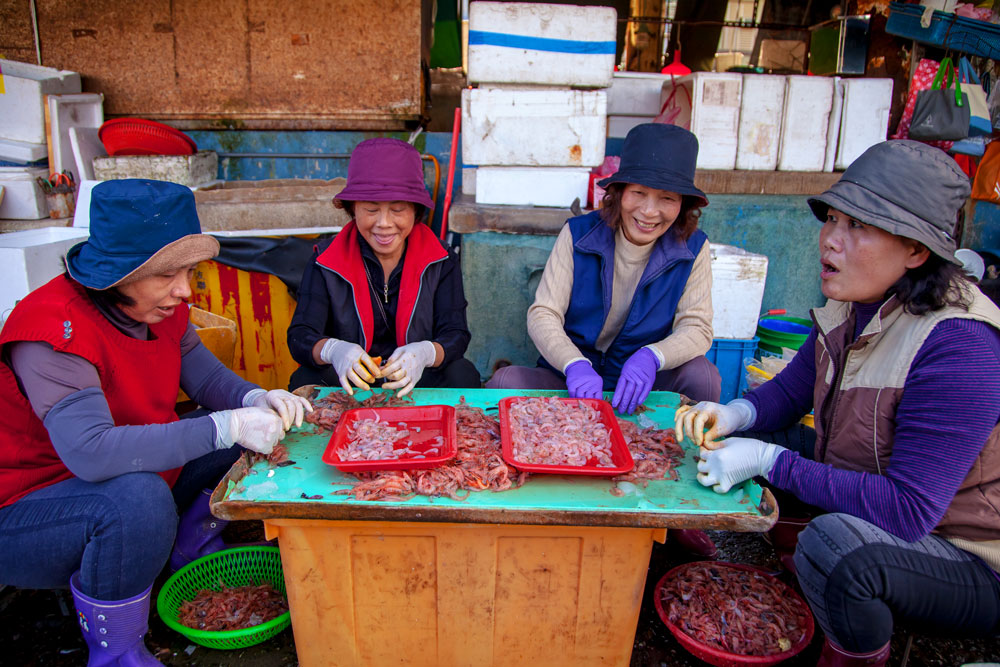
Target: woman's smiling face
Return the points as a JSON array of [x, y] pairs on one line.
[[385, 225], [647, 213]]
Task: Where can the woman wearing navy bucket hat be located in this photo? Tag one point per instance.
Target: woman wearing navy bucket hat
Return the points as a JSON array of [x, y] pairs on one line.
[[384, 288], [902, 366], [94, 462], [625, 301]]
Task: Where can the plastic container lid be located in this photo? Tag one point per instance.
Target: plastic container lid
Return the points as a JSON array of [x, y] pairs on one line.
[[431, 420], [620, 455], [138, 136], [716, 656]]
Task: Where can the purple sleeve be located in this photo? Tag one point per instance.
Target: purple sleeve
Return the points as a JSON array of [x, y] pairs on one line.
[[208, 382], [950, 404], [46, 376], [87, 441], [783, 400]]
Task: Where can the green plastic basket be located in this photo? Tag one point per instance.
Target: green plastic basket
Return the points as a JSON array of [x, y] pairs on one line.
[[243, 566]]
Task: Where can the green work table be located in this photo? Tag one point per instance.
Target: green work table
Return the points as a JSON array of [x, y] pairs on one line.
[[306, 490]]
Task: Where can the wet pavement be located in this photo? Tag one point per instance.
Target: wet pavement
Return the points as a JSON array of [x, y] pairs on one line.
[[39, 628]]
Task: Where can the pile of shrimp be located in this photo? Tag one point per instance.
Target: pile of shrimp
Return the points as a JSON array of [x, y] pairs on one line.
[[655, 452], [327, 410], [372, 439], [549, 431], [232, 608], [735, 610], [478, 466]]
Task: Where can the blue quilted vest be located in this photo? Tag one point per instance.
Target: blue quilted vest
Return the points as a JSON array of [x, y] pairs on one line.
[[651, 315]]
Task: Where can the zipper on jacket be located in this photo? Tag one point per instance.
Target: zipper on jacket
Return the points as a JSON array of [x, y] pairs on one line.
[[385, 292]]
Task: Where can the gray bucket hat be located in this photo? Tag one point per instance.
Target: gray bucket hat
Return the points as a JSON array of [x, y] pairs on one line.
[[905, 188]]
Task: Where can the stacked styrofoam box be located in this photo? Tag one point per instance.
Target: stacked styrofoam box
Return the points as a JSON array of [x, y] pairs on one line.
[[530, 128], [633, 99], [864, 117], [31, 258], [22, 107], [708, 104], [738, 279], [23, 198], [761, 108]]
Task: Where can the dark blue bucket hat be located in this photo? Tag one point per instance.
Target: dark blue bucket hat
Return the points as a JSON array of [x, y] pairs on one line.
[[906, 188], [659, 156], [138, 228]]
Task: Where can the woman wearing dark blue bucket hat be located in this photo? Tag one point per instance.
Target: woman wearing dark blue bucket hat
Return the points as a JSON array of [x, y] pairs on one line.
[[899, 484], [625, 301], [384, 288], [94, 462]]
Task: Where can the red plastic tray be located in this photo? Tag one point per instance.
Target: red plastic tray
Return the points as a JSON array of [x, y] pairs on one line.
[[433, 420], [620, 456], [716, 656], [138, 136]]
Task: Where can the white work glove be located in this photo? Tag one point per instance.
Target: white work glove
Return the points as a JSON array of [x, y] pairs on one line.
[[290, 408], [737, 460], [407, 364], [258, 429], [352, 363], [721, 420]]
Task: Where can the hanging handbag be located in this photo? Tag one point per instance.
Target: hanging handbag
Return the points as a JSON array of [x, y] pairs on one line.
[[979, 112], [941, 113], [986, 186]]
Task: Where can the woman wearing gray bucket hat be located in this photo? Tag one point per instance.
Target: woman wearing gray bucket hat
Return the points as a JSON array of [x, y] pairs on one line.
[[384, 288], [625, 302], [94, 462], [902, 368]]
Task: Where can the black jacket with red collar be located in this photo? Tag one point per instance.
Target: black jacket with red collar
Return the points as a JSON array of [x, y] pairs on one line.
[[337, 301]]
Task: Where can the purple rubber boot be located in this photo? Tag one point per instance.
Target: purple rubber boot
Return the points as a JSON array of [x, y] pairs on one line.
[[114, 630], [198, 533]]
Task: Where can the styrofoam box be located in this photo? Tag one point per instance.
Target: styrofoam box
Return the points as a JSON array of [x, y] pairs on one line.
[[738, 279], [22, 106], [555, 45], [31, 258], [833, 126], [533, 127], [635, 93], [761, 106], [710, 107], [808, 101], [531, 186], [23, 199], [864, 120], [619, 126]]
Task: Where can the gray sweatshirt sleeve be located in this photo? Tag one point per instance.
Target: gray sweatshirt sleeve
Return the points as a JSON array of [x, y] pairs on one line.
[[94, 449], [208, 382]]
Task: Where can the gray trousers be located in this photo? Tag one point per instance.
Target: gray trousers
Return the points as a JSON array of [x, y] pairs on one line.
[[857, 578]]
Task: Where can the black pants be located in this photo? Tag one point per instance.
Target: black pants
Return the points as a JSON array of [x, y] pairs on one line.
[[458, 374], [858, 578]]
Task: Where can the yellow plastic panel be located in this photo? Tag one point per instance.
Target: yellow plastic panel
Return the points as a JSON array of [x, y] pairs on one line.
[[376, 593], [262, 308]]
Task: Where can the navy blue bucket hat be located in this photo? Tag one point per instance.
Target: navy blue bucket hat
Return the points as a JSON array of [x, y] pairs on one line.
[[138, 228], [906, 188], [659, 156]]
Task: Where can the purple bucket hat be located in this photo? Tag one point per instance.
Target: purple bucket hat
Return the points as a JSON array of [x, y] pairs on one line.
[[386, 170]]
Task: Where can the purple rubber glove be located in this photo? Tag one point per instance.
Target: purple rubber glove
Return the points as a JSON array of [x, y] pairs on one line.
[[636, 381], [582, 381]]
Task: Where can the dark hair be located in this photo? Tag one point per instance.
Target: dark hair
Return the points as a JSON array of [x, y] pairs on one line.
[[103, 297], [931, 286], [683, 227], [419, 210]]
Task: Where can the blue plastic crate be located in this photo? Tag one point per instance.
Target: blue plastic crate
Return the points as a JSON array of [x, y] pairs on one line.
[[947, 30], [728, 355]]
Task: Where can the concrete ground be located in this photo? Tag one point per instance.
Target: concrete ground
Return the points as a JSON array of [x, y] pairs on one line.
[[39, 628]]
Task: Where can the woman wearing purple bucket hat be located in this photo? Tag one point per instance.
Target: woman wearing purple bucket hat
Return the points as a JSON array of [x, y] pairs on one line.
[[902, 367], [94, 462], [384, 287]]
